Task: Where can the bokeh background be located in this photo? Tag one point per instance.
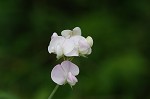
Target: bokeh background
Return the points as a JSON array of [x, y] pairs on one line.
[[118, 68]]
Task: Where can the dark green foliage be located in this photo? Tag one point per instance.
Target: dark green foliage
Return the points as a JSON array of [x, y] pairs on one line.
[[118, 67]]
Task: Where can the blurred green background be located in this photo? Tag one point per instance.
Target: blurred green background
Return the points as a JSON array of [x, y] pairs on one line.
[[118, 68]]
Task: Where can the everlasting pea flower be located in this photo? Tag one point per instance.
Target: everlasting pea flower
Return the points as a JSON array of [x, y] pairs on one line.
[[56, 45], [65, 73], [71, 43]]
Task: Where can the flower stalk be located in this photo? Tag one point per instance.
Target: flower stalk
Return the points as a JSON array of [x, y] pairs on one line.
[[53, 92], [71, 43]]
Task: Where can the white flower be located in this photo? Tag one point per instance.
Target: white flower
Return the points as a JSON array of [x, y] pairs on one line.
[[56, 45], [65, 73], [71, 43]]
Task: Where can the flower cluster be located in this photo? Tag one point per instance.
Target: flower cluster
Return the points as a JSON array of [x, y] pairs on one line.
[[69, 44]]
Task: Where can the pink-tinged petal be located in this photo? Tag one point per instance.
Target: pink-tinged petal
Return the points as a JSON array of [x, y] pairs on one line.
[[76, 39], [68, 46], [71, 79], [70, 67], [83, 47], [66, 33], [76, 31], [58, 75], [54, 35]]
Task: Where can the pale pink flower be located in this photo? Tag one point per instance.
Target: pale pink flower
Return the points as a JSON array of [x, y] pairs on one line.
[[65, 73]]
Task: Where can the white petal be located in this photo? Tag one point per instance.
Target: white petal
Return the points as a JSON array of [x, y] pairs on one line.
[[54, 35], [68, 46], [76, 39], [58, 75], [54, 42], [74, 52], [83, 47], [59, 51], [66, 33], [70, 67], [89, 51], [71, 79], [51, 49], [76, 31], [90, 40]]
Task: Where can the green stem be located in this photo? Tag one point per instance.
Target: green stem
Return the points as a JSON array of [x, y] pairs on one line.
[[71, 58], [53, 92]]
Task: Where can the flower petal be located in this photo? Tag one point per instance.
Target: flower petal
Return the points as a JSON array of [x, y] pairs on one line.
[[58, 75], [66, 33], [59, 51], [89, 51], [68, 47], [83, 47], [76, 31], [70, 67], [54, 42], [90, 40], [74, 52], [51, 49], [54, 35], [71, 79]]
